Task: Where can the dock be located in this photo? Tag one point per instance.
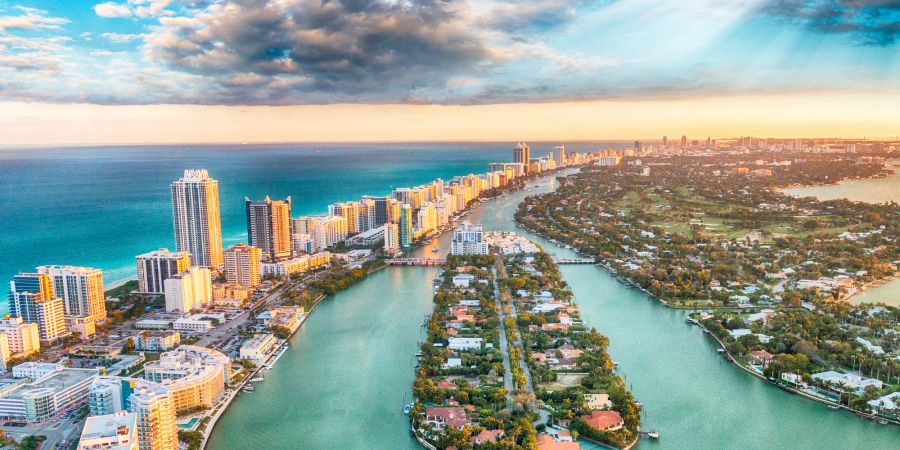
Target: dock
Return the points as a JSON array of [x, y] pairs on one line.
[[574, 260], [416, 262]]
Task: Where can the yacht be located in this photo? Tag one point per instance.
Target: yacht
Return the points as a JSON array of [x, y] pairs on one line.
[[407, 409]]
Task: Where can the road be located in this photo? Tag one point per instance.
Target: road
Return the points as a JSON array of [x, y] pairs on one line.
[[504, 348]]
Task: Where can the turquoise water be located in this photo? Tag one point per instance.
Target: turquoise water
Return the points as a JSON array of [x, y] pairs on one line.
[[349, 371], [101, 206], [189, 424]]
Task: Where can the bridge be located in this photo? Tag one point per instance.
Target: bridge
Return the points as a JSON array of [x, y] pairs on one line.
[[574, 260], [416, 262]]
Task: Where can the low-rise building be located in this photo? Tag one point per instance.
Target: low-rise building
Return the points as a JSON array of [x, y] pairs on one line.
[[464, 343], [442, 417], [258, 347], [34, 370], [23, 337], [847, 381], [159, 341], [192, 325], [604, 420], [153, 324], [85, 326], [48, 396], [463, 280]]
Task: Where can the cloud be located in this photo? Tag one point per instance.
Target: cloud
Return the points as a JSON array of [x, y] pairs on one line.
[[121, 38], [112, 10], [871, 22], [32, 19]]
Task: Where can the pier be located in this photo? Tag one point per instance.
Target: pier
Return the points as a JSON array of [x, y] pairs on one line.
[[416, 262], [574, 261]]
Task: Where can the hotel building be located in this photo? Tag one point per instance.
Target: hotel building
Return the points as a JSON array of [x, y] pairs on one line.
[[242, 265], [468, 239], [189, 290], [195, 212], [194, 375], [323, 231], [522, 154], [80, 288], [406, 225], [269, 227], [391, 238], [154, 268], [150, 402], [23, 337], [32, 300]]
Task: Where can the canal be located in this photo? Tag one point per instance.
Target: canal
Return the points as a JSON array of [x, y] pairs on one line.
[[348, 371]]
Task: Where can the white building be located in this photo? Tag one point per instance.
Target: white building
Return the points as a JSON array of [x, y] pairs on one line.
[[155, 267], [151, 402], [299, 264], [195, 375], [189, 290], [463, 280], [22, 337], [258, 347], [191, 325], [116, 431], [391, 238], [242, 265], [468, 239], [455, 343], [324, 231], [159, 341], [195, 212], [80, 288], [847, 381], [46, 397], [35, 370]]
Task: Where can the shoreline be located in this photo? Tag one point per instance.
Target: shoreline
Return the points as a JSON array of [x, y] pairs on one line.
[[421, 244], [872, 285]]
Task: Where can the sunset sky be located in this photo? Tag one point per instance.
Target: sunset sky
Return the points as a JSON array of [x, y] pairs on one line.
[[142, 71]]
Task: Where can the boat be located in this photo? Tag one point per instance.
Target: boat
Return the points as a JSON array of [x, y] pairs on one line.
[[407, 409], [883, 422], [257, 379], [639, 403], [834, 407], [720, 350], [249, 389], [653, 434]]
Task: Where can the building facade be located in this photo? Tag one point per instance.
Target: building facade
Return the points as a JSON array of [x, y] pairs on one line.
[[195, 214], [80, 288], [269, 227], [155, 267], [189, 290], [468, 239], [242, 265], [195, 375]]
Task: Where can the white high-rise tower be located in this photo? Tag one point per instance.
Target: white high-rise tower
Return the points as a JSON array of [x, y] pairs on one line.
[[195, 211]]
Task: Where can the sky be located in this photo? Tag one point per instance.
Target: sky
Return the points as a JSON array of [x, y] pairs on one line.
[[145, 71]]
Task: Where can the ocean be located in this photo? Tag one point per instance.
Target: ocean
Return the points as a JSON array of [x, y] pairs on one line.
[[101, 206]]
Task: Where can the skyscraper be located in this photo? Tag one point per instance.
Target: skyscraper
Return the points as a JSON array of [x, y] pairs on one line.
[[80, 288], [406, 226], [684, 141], [559, 155], [382, 209], [665, 142], [242, 265], [195, 212], [155, 267], [522, 154], [269, 227], [391, 238]]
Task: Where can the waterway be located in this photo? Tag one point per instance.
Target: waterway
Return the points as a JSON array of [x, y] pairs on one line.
[[872, 190], [349, 370]]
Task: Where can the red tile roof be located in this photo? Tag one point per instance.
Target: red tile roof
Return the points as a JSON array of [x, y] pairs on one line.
[[546, 442], [603, 420]]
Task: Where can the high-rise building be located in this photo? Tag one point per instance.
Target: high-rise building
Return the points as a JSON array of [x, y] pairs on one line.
[[522, 154], [80, 288], [665, 142], [269, 227], [323, 231], [559, 155], [351, 212], [391, 238], [426, 219], [195, 210], [23, 337], [151, 402], [382, 209], [683, 141], [638, 146], [195, 375], [406, 226], [468, 239], [31, 299], [188, 290], [242, 265], [155, 267]]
